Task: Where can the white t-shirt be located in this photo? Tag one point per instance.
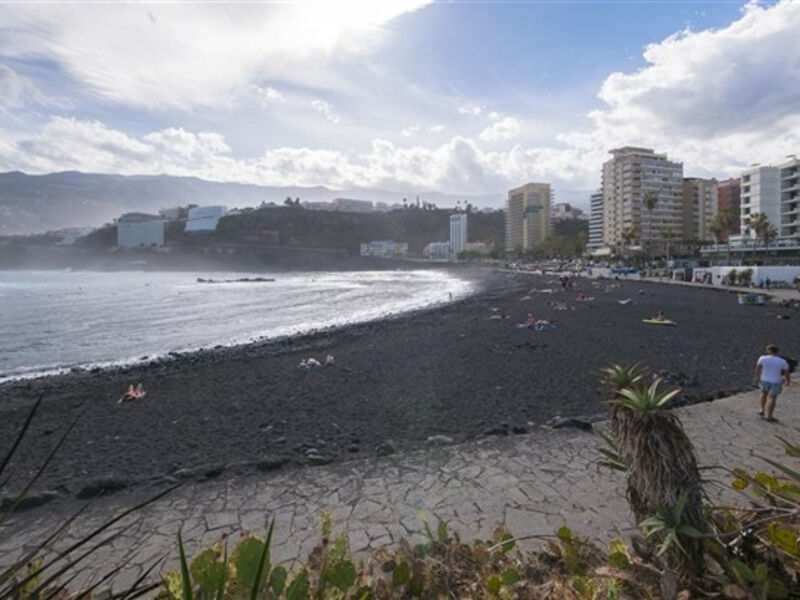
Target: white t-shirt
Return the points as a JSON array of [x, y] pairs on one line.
[[771, 367]]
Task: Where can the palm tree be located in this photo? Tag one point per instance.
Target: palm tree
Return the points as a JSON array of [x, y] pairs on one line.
[[649, 200], [668, 235], [759, 223], [628, 236], [765, 231], [722, 227]]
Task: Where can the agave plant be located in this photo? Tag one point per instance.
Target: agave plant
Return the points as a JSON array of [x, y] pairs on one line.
[[662, 469], [617, 377]]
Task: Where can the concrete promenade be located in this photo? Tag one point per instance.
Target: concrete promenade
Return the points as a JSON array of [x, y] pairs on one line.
[[533, 483]]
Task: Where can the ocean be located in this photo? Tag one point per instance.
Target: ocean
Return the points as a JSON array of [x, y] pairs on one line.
[[51, 321]]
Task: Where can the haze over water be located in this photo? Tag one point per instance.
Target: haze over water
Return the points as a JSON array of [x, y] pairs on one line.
[[51, 320]]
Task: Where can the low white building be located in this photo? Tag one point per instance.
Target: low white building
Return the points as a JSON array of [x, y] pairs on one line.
[[775, 274], [204, 218], [384, 249], [437, 251], [140, 230]]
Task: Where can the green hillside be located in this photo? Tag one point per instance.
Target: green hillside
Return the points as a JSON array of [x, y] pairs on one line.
[[295, 226]]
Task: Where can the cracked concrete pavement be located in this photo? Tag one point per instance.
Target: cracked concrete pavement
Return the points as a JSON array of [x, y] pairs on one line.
[[532, 483]]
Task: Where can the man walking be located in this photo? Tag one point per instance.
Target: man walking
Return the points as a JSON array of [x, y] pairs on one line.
[[771, 372]]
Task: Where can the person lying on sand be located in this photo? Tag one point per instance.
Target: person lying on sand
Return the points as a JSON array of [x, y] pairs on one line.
[[133, 393]]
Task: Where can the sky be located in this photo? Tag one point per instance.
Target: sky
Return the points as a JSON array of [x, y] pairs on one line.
[[461, 97]]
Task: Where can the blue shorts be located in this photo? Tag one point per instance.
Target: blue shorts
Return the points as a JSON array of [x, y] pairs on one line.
[[771, 389]]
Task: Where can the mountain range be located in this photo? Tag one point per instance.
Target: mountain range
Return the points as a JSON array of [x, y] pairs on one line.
[[38, 203]]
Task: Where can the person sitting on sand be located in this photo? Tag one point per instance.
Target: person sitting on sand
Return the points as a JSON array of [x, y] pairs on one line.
[[530, 321], [660, 316]]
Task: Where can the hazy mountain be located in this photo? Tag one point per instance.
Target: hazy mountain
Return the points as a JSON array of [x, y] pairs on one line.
[[36, 203]]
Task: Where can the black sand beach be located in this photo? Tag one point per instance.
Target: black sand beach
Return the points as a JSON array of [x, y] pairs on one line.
[[451, 372]]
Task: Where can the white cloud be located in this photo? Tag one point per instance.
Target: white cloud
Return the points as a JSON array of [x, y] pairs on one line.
[[17, 91], [410, 131], [180, 55], [458, 165], [326, 110], [501, 130], [717, 99], [267, 96], [470, 109]]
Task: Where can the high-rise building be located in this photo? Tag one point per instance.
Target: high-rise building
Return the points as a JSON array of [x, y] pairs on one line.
[[629, 178], [790, 199], [761, 193], [595, 221], [699, 208], [729, 197], [458, 233], [528, 216]]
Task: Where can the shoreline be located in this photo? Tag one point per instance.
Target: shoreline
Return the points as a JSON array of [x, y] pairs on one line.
[[435, 376], [474, 276]]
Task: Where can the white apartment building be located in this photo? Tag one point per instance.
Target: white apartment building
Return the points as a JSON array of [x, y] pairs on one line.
[[700, 206], [790, 199], [458, 233], [628, 178], [595, 221], [528, 216], [140, 230], [760, 194]]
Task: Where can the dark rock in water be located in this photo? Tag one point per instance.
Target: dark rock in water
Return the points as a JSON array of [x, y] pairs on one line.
[[77, 370], [439, 440], [501, 429], [183, 474], [101, 487], [564, 422], [281, 440], [28, 502], [353, 448], [386, 448], [519, 429], [271, 463], [721, 394]]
